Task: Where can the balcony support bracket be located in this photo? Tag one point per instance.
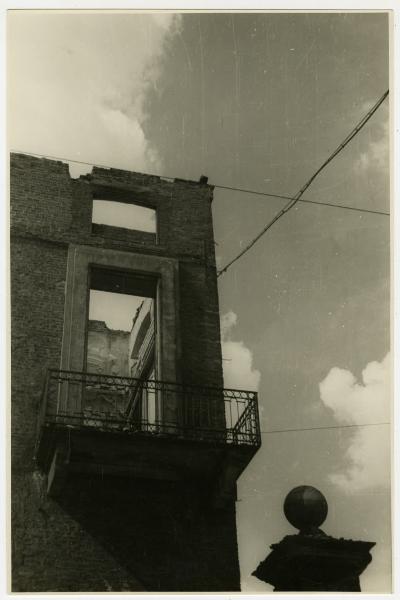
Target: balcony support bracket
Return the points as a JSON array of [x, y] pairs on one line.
[[59, 468]]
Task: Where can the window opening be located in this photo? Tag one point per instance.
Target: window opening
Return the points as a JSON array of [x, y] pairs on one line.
[[121, 342], [126, 215]]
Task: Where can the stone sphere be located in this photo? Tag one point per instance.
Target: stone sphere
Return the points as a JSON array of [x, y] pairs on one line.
[[305, 508]]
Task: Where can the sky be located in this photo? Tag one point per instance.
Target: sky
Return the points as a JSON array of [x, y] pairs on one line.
[[119, 214], [254, 101]]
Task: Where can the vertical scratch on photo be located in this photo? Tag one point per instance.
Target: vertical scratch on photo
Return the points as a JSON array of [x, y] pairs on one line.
[[237, 94], [202, 97], [305, 55]]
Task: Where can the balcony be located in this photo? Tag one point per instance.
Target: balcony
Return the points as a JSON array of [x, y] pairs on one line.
[[133, 427]]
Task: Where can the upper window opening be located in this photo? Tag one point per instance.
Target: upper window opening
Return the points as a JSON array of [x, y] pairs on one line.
[[121, 214]]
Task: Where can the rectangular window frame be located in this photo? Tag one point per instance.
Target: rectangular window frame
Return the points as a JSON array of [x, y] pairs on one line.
[[124, 196], [166, 270], [132, 283], [101, 225]]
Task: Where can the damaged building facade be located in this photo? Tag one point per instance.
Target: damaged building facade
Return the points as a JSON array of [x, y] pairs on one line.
[[125, 446]]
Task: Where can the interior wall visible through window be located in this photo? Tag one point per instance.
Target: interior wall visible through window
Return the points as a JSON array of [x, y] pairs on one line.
[[121, 341], [121, 334]]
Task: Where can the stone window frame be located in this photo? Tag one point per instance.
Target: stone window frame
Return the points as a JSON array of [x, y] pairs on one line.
[[76, 308]]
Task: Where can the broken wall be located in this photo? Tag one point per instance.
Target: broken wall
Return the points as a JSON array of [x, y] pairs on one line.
[[167, 534]]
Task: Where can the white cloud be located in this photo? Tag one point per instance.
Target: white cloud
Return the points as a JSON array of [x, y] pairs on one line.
[[376, 155], [368, 455], [78, 83], [167, 20], [238, 359]]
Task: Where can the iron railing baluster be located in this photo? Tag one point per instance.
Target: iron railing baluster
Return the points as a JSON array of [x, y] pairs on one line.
[[118, 403]]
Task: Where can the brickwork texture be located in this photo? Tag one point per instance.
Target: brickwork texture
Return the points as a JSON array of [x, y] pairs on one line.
[[106, 534]]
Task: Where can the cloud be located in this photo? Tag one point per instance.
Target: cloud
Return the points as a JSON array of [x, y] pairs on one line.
[[168, 20], [376, 154], [238, 359], [368, 455], [78, 85]]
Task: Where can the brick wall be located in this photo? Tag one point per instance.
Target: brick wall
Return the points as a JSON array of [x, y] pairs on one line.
[[107, 349], [109, 535], [37, 312], [120, 537]]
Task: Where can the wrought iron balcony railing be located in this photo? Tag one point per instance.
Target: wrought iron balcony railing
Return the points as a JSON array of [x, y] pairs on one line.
[[135, 406]]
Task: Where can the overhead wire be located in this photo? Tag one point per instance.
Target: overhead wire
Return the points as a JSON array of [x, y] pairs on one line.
[[324, 427], [303, 200], [215, 185], [293, 201], [343, 206]]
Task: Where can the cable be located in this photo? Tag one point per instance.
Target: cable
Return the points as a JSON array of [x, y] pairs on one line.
[[78, 162], [365, 210], [297, 197], [216, 185], [246, 191], [327, 427]]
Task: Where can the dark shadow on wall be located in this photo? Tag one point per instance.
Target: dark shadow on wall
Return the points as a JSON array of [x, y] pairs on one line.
[[165, 534]]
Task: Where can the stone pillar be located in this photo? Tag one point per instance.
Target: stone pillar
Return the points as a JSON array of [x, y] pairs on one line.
[[311, 560]]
